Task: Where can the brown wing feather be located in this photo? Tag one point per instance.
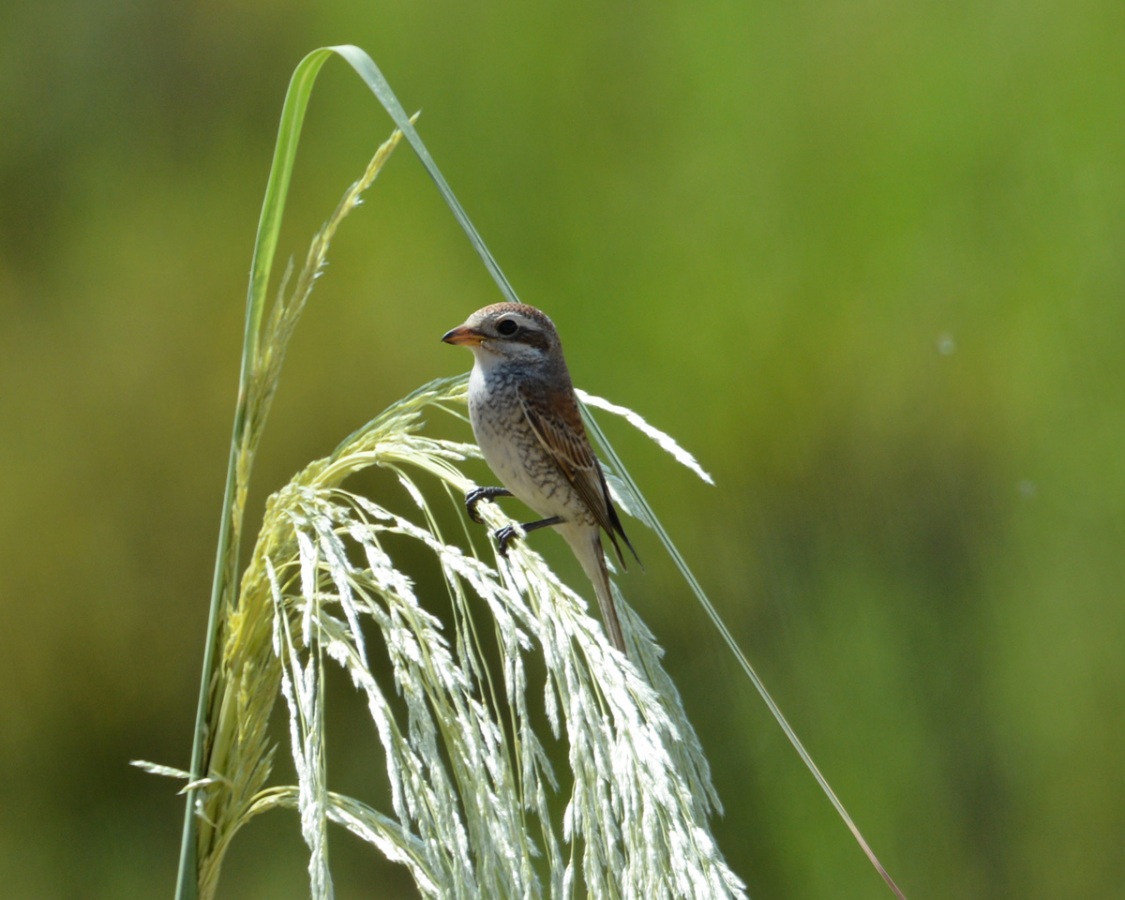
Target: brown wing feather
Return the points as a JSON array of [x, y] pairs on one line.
[[558, 425]]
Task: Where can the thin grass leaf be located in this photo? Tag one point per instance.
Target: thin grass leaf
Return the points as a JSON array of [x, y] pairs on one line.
[[635, 501], [157, 769], [662, 439]]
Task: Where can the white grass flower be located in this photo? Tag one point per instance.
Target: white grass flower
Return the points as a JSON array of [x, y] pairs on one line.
[[471, 785]]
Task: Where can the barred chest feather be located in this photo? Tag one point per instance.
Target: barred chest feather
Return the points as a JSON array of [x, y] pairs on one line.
[[512, 449]]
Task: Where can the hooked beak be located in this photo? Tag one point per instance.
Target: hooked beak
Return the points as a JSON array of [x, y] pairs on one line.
[[463, 336]]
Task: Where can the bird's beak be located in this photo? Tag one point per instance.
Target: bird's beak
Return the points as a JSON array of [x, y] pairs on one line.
[[463, 336]]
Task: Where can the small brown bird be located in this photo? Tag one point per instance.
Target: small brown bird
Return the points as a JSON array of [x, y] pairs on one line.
[[526, 420]]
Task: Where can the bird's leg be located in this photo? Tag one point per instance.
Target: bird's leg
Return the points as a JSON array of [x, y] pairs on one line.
[[482, 493], [505, 535]]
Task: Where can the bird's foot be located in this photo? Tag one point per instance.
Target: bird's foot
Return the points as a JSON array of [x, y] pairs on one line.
[[482, 493], [504, 536]]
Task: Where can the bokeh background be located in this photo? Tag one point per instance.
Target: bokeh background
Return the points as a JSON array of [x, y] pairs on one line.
[[865, 259]]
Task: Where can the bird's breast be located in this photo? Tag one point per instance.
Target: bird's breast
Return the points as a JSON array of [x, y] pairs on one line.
[[512, 449]]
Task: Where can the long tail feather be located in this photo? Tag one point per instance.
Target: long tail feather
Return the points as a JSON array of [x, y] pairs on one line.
[[586, 544]]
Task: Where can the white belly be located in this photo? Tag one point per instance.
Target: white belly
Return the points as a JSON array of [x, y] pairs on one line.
[[514, 453]]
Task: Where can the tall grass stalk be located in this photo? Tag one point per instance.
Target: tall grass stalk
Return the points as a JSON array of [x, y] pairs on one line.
[[470, 812]]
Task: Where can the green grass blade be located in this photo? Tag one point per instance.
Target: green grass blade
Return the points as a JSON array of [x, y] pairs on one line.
[[277, 191], [650, 517], [367, 70]]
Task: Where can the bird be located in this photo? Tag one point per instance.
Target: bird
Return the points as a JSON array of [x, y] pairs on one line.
[[526, 421]]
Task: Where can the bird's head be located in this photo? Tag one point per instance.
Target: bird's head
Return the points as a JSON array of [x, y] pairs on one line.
[[508, 332]]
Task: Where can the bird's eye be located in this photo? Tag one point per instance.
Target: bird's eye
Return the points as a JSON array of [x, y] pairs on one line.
[[506, 327]]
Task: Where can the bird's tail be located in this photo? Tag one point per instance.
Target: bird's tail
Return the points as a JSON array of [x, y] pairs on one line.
[[587, 546]]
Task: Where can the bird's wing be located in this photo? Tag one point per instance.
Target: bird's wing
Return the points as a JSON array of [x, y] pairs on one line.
[[558, 426]]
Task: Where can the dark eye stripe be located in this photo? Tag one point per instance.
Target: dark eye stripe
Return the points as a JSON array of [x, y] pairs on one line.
[[536, 339]]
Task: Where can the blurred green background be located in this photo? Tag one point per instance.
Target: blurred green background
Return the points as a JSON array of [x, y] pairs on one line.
[[866, 260]]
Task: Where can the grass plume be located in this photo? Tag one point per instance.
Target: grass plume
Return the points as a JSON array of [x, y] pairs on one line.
[[470, 779]]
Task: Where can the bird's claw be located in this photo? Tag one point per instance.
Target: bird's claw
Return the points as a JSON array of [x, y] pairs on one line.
[[504, 536], [482, 493], [471, 500]]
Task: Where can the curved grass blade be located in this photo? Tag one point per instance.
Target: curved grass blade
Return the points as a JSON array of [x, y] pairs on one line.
[[369, 72], [248, 422], [637, 500]]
